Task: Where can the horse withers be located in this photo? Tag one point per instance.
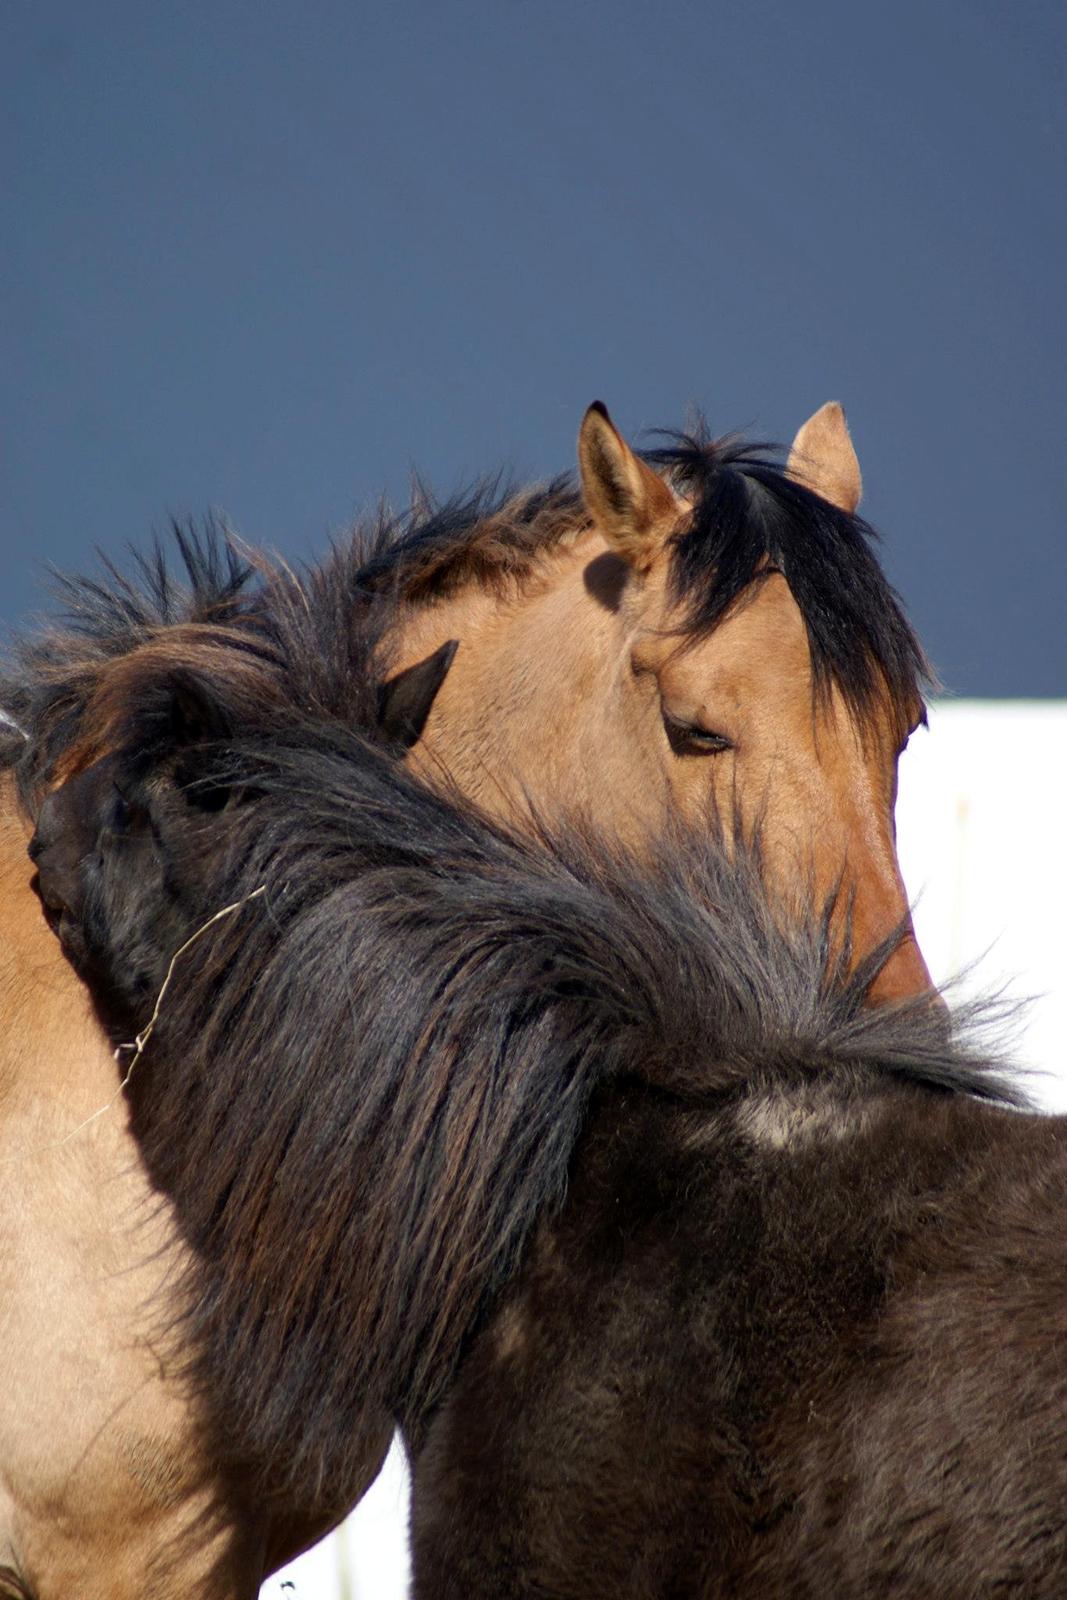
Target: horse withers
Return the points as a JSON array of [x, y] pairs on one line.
[[684, 1271]]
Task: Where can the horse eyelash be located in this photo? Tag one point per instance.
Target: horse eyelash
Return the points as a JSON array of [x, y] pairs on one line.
[[695, 740]]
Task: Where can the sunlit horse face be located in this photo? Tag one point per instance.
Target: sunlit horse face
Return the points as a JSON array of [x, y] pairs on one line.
[[107, 1490], [590, 686]]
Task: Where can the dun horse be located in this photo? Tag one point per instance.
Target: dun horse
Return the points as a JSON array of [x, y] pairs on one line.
[[684, 1272]]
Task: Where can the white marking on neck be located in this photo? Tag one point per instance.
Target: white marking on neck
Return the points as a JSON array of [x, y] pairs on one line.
[[807, 1116]]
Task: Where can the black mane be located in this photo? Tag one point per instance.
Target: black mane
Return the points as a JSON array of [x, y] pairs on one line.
[[748, 512], [50, 676], [493, 533], [366, 1087], [263, 635]]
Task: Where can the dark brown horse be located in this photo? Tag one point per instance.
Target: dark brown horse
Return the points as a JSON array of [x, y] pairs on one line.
[[685, 1273]]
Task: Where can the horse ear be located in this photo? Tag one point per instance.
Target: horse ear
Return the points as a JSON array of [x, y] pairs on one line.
[[823, 458], [196, 715], [630, 504], [404, 702]]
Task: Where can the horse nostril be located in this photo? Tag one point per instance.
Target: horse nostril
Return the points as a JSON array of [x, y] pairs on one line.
[[49, 826], [52, 901], [46, 892]]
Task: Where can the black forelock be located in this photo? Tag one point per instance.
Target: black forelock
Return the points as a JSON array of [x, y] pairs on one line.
[[748, 513]]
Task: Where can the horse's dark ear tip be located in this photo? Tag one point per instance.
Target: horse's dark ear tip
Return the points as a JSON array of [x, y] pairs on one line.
[[405, 701], [196, 714]]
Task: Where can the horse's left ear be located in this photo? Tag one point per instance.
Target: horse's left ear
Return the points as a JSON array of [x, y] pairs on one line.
[[196, 713], [630, 504], [823, 458], [404, 702]]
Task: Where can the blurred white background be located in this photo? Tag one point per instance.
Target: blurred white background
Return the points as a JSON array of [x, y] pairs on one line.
[[981, 822]]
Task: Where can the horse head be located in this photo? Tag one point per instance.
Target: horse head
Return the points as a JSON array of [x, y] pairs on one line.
[[700, 631], [780, 679], [133, 789]]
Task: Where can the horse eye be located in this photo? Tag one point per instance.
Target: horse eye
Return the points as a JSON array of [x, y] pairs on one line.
[[689, 739], [12, 1586], [209, 797]]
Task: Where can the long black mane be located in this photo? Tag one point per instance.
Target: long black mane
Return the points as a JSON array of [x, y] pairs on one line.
[[366, 1086]]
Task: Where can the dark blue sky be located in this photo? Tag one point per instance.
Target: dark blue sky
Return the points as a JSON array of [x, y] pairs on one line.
[[265, 258]]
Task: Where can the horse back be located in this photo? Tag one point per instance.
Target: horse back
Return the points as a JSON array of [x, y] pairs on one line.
[[790, 1345]]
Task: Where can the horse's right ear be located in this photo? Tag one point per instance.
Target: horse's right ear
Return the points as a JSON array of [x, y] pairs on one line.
[[824, 458], [404, 702], [196, 714], [630, 504]]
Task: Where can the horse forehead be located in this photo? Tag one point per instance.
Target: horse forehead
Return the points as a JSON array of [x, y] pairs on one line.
[[759, 650]]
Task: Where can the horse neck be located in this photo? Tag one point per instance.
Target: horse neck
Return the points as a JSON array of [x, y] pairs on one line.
[[49, 1041], [539, 707], [108, 1464], [64, 1120]]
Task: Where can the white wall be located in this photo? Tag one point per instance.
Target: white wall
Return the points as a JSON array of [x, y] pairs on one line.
[[981, 820], [982, 837], [367, 1558]]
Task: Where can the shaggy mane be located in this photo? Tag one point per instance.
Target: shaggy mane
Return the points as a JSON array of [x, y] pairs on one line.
[[366, 1088], [51, 675], [492, 536], [259, 635]]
